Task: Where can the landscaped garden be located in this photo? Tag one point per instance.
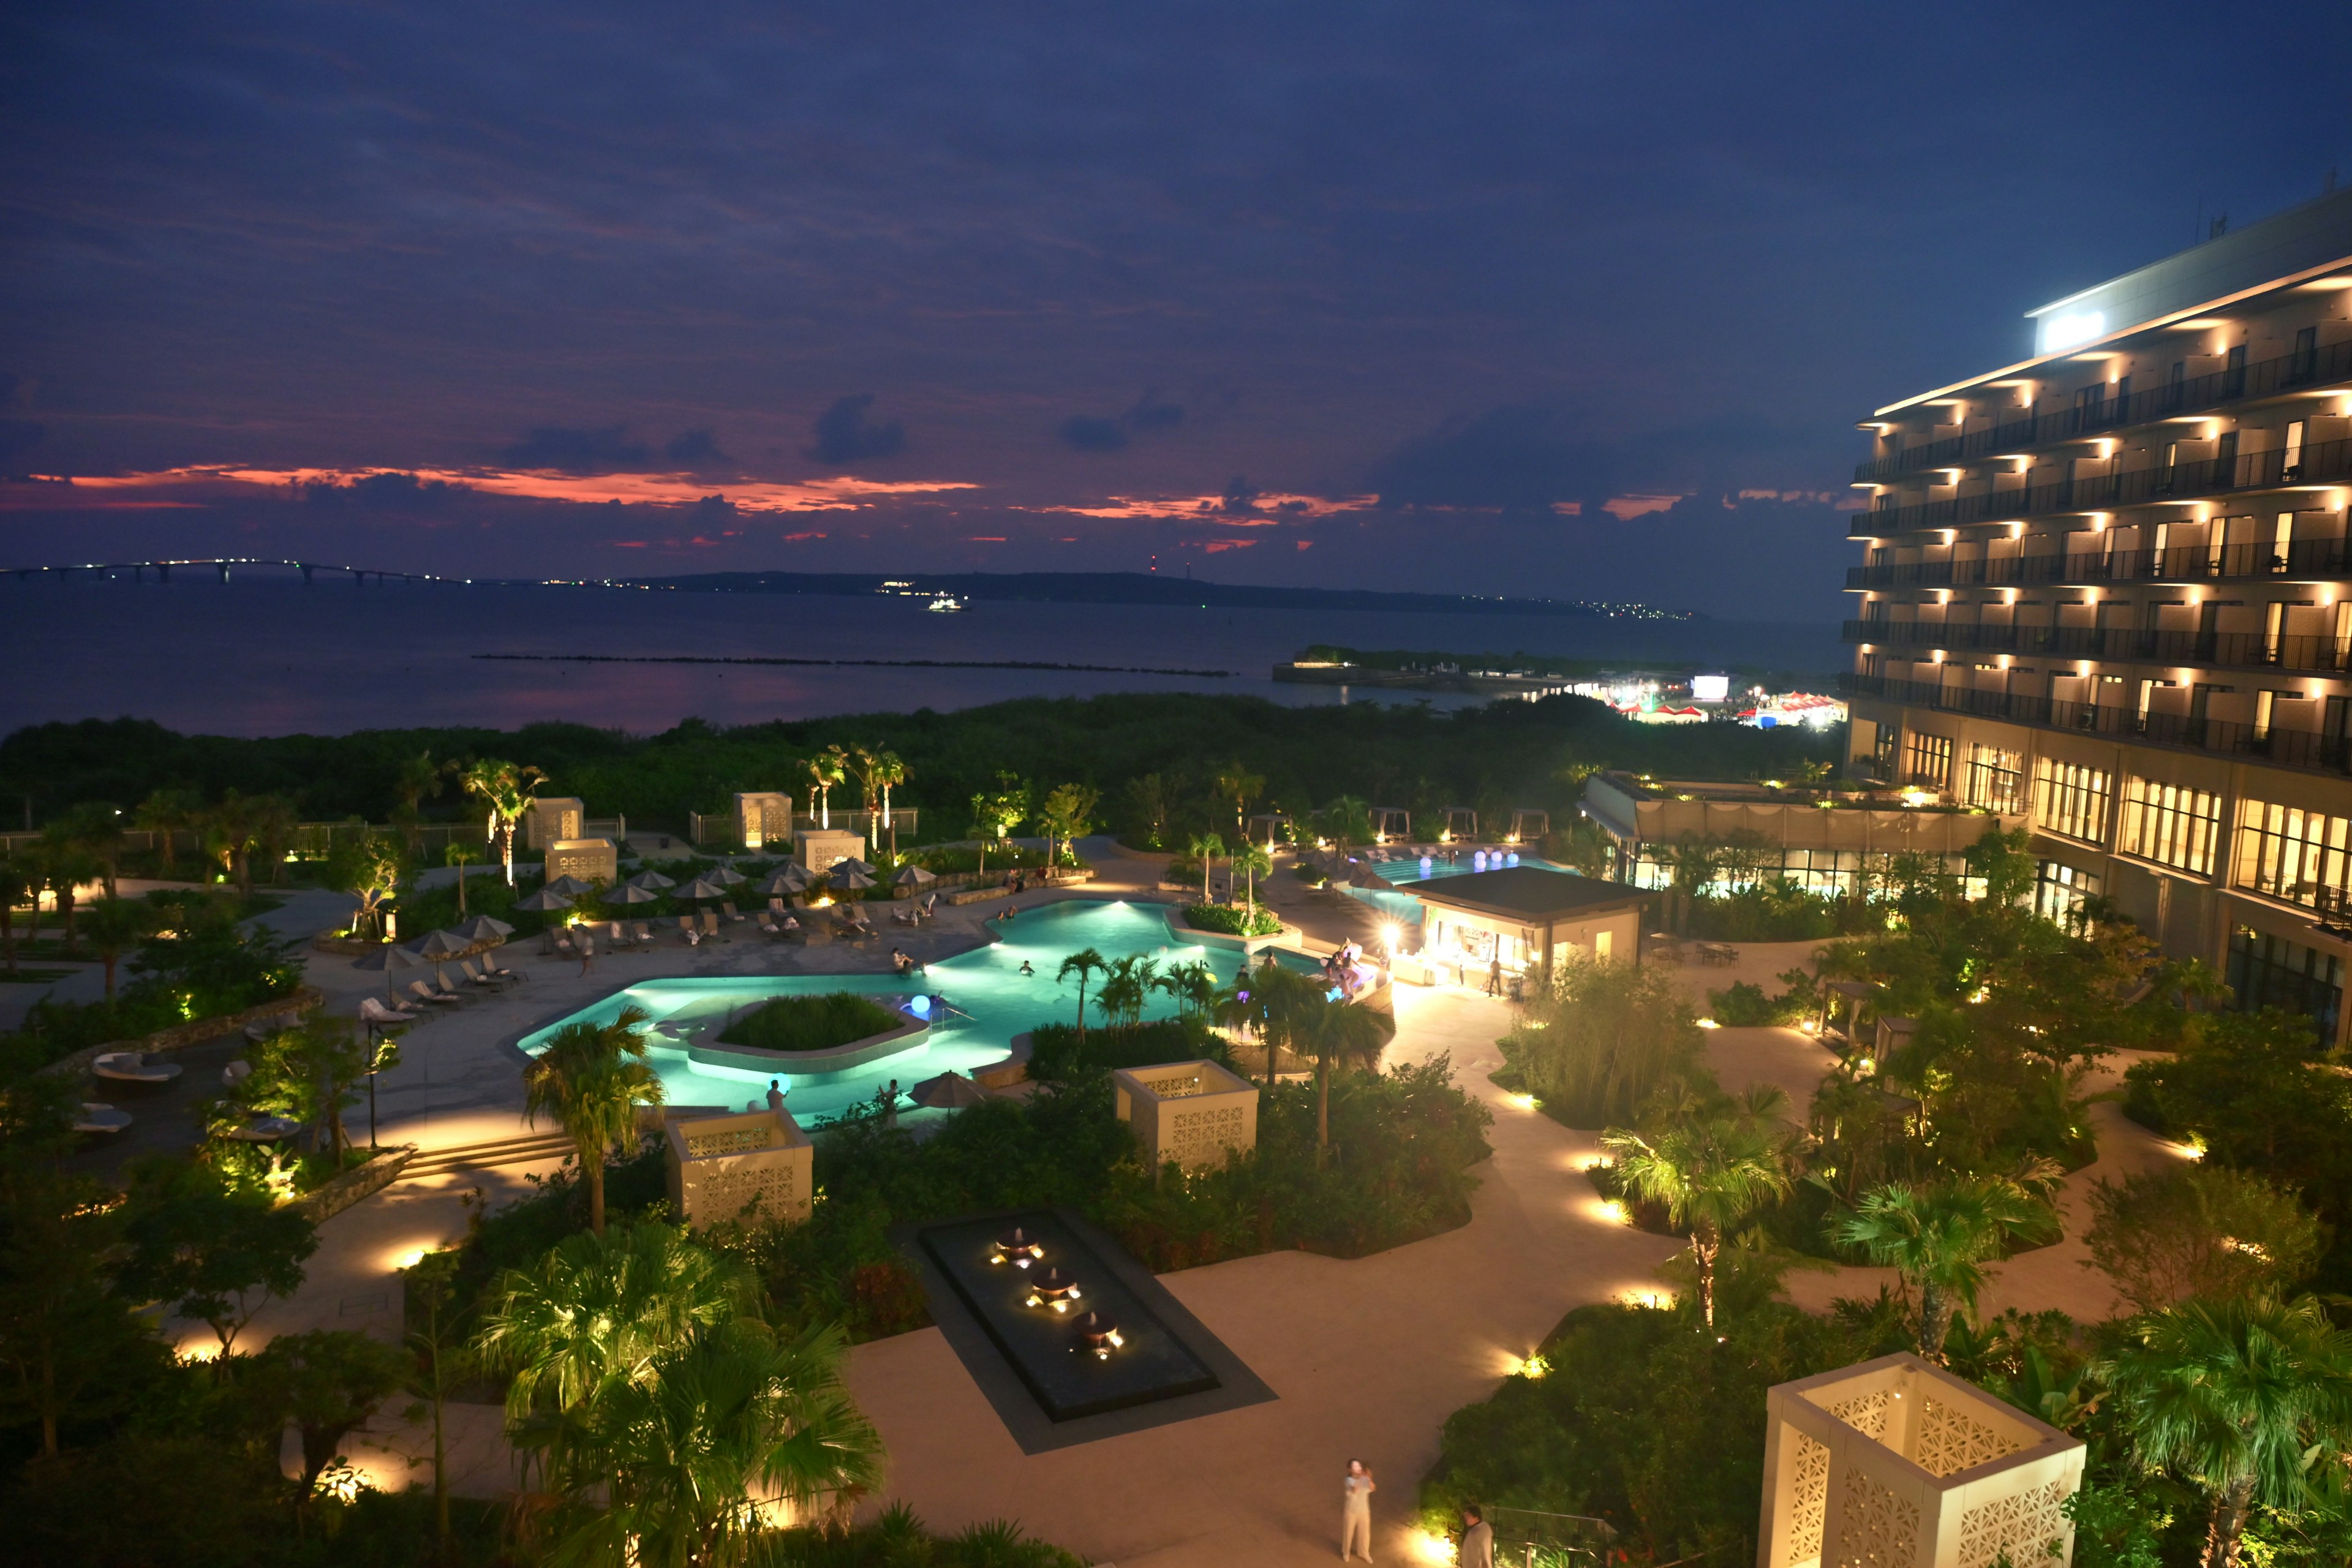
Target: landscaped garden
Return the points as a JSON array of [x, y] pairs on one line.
[[811, 1023]]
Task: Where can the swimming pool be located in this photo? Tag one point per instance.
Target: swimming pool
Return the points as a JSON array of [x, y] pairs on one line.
[[984, 1000], [1401, 870]]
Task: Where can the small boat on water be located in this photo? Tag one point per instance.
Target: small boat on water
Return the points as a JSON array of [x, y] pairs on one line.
[[946, 604]]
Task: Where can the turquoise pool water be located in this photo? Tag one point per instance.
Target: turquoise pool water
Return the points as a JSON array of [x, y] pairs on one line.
[[983, 1001], [1402, 870]]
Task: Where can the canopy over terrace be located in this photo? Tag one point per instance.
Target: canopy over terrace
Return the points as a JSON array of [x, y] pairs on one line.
[[1523, 915]]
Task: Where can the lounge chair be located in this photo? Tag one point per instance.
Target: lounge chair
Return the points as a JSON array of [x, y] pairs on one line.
[[441, 984], [560, 944], [476, 977], [133, 1067], [730, 910], [710, 927], [767, 923], [905, 917], [97, 1116], [236, 1073], [423, 993], [778, 906], [644, 934], [374, 1012], [687, 929]]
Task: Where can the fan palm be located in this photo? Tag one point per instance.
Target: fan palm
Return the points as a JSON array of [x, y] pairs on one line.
[[1709, 1171], [1331, 1031], [1252, 862], [1085, 964], [735, 1432], [596, 1309], [506, 791], [1205, 848], [166, 814], [1939, 1236], [2240, 1395], [591, 1078], [1127, 983]]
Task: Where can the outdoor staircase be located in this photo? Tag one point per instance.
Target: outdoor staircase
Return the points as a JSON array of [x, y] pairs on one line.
[[483, 1156]]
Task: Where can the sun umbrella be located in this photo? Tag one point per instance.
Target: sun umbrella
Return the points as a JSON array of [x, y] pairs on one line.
[[702, 888], [729, 876], [912, 877], [570, 887], [852, 863], [1365, 877], [547, 900], [440, 944], [787, 881], [482, 927], [846, 878], [948, 1091], [652, 881], [629, 893], [390, 957]]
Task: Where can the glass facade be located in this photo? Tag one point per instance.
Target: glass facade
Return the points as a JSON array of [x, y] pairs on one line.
[[2171, 826], [2071, 800], [1928, 760], [2294, 855], [1996, 779], [2271, 971], [2059, 892]]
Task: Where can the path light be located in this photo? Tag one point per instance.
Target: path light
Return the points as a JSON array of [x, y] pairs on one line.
[[1016, 1250], [1524, 1101], [1708, 1024]]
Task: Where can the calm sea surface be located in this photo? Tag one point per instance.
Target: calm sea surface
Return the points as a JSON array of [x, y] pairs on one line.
[[273, 657]]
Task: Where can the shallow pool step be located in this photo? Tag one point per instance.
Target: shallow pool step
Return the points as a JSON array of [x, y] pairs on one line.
[[482, 1156]]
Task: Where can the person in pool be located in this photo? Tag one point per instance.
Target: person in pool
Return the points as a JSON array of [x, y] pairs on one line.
[[1028, 970]]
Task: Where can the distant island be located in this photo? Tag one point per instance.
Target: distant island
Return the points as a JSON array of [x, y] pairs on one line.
[[1516, 674], [1140, 588]]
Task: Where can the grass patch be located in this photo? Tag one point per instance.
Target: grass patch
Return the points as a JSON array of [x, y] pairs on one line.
[[811, 1023]]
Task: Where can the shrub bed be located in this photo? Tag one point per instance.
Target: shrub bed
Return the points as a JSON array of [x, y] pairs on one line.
[[811, 1023], [1233, 920], [1057, 1054]]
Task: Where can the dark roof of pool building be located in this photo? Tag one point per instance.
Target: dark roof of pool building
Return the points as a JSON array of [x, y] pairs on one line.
[[1526, 892]]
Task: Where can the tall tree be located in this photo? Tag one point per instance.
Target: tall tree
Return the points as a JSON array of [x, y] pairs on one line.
[[1238, 784], [1939, 1236], [19, 884], [210, 1254], [591, 1078], [418, 779], [1068, 814], [1709, 1171], [1333, 1031], [459, 856], [505, 790], [1085, 964], [114, 926], [325, 1383], [1252, 862], [2240, 1396], [825, 770], [167, 813], [1205, 848]]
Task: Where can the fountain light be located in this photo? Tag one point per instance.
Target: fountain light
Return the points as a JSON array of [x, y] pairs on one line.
[[1016, 1250], [1099, 1334], [1053, 1288]]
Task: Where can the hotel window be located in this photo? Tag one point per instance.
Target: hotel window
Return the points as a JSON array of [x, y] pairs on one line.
[[2294, 855], [2071, 800], [2171, 826], [2271, 971], [2059, 892], [1996, 779], [1928, 759]]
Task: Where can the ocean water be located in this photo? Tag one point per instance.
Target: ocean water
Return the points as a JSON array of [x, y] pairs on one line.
[[264, 656]]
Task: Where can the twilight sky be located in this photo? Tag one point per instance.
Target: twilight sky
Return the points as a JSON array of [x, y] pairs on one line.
[[1579, 301]]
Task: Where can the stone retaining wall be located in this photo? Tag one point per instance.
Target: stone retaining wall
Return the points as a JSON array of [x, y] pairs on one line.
[[359, 1182], [194, 1031]]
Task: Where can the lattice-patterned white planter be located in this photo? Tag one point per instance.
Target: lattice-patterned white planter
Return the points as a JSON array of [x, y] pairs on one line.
[[1897, 1464], [1195, 1113], [752, 1165]]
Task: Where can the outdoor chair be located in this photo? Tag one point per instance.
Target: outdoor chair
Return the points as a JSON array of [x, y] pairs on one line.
[[644, 934], [729, 906], [905, 917], [685, 928], [709, 926], [560, 945], [457, 992], [374, 1012], [423, 993], [475, 976]]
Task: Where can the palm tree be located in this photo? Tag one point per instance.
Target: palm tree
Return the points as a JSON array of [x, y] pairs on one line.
[[233, 826], [1126, 986], [418, 778], [166, 814], [2239, 1394], [1332, 1030], [887, 771], [596, 1309], [461, 856], [1939, 1236], [1709, 1171], [506, 791], [1238, 784], [732, 1432], [1205, 848], [592, 1078], [19, 884], [65, 866], [96, 829], [114, 926], [1191, 986], [827, 769], [1085, 964], [1252, 862]]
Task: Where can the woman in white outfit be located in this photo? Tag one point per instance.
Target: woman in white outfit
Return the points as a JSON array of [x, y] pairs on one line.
[[1356, 1511]]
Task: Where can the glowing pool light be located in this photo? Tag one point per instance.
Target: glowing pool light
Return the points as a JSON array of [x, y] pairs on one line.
[[920, 1007]]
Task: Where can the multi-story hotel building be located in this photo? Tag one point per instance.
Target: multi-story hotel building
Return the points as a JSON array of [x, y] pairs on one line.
[[2110, 586]]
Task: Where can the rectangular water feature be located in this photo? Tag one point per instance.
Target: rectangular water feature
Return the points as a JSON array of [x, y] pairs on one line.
[[1047, 1348]]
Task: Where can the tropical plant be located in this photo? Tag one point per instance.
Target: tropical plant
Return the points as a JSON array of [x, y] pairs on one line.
[[167, 813], [96, 828], [1938, 1236], [1252, 862], [2198, 1229], [594, 1311], [1709, 1171], [114, 926], [1332, 1030], [506, 791], [417, 778], [1350, 820], [1205, 848], [438, 1364], [1085, 964], [367, 865], [1068, 814], [825, 770], [1145, 799], [591, 1078], [2241, 1397], [1191, 986], [324, 1383], [309, 1074], [1602, 1037], [1238, 784], [886, 770], [1127, 981], [210, 1254], [459, 856]]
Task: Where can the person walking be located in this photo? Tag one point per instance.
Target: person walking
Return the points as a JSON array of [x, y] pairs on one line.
[[1478, 1539], [1494, 978], [1356, 1511]]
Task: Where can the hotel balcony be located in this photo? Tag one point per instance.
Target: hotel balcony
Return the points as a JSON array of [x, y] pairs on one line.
[[2181, 650], [2301, 749], [2326, 462], [2098, 411], [2306, 560]]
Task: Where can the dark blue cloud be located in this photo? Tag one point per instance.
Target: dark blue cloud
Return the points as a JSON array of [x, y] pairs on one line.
[[844, 434], [1086, 433], [694, 449], [603, 450]]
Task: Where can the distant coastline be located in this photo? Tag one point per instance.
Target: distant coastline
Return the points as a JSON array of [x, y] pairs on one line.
[[874, 663]]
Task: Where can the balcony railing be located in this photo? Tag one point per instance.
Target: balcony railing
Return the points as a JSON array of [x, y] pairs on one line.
[[2067, 418], [2304, 748], [2247, 650], [2314, 464], [2310, 560]]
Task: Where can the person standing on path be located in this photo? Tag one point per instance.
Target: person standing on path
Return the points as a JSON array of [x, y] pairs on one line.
[[1494, 978], [1477, 1539], [1356, 1511]]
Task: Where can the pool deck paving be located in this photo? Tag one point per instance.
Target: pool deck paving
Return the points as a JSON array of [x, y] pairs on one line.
[[1367, 1356]]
